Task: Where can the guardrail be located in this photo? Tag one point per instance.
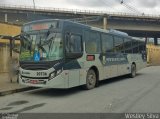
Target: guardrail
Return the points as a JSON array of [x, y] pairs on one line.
[[77, 11]]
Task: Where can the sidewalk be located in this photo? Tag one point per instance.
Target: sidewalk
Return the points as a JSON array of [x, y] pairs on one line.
[[6, 87]]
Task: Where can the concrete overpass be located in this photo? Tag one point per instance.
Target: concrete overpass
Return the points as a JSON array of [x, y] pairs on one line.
[[135, 25]]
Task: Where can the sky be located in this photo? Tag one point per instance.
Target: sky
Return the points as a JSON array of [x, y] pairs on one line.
[[129, 6]]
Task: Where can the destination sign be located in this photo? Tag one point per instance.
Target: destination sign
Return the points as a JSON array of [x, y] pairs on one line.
[[40, 26]]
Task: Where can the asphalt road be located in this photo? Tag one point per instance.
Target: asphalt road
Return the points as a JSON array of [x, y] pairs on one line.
[[123, 94]]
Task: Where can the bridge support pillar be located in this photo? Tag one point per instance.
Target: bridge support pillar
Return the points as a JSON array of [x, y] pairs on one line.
[[146, 40], [5, 18], [155, 41], [105, 22]]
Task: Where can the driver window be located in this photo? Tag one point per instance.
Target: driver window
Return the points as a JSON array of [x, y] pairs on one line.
[[74, 44]]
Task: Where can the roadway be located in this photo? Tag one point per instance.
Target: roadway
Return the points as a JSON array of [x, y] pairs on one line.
[[123, 94]]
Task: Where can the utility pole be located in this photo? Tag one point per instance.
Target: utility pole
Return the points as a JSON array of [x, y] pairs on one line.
[[34, 6]]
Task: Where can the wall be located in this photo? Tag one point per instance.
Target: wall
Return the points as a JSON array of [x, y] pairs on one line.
[[153, 54], [6, 29]]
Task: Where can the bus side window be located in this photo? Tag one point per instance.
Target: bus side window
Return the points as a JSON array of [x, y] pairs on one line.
[[67, 42], [107, 43], [135, 45], [128, 45], [92, 42], [118, 44]]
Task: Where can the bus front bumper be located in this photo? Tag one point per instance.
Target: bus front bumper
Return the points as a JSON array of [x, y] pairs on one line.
[[60, 81]]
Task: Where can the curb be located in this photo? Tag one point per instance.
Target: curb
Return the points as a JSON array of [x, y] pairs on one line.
[[3, 93]]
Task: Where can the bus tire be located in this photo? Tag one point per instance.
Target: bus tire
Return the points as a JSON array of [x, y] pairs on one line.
[[90, 79], [133, 71]]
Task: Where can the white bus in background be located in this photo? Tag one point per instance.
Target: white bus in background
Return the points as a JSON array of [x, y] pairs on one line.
[[65, 54]]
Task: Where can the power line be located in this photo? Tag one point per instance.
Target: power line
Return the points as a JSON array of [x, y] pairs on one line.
[[130, 7], [131, 2], [108, 4]]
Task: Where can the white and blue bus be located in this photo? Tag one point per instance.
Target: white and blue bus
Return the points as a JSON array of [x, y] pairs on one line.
[[65, 54]]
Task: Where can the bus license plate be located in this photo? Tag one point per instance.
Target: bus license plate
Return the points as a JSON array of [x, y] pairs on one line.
[[33, 81]]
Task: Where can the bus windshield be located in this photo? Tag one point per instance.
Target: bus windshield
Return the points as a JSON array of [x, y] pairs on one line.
[[41, 46]]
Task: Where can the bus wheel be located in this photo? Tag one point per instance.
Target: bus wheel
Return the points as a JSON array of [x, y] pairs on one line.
[[133, 71], [90, 79]]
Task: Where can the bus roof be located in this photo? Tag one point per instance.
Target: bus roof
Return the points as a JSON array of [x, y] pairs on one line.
[[110, 31], [40, 21]]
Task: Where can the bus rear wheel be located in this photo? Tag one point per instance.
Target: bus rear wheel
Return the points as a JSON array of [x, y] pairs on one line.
[[90, 79], [133, 71]]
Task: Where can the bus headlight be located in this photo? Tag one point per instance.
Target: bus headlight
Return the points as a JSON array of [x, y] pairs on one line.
[[52, 75], [55, 73]]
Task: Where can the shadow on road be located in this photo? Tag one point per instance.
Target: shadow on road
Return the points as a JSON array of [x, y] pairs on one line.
[[49, 92], [117, 79]]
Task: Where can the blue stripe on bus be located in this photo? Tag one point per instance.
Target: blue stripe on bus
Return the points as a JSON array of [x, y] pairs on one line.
[[73, 64]]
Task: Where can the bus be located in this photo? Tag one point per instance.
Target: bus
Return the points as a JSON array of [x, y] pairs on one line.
[[58, 53]]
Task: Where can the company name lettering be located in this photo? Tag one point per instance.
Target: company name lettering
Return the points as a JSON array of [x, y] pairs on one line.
[[41, 74], [115, 59]]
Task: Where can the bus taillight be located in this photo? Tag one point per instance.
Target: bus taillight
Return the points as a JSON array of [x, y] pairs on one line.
[[90, 57]]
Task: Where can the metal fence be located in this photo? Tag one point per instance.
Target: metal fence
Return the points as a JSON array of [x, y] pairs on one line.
[[77, 11]]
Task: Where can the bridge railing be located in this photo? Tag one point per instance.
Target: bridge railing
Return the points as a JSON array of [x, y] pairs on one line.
[[77, 11]]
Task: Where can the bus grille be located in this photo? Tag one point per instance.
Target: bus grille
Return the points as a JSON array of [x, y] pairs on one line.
[[35, 66]]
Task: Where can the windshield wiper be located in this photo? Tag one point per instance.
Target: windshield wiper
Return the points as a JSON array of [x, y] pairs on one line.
[[26, 38], [51, 36], [48, 41]]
